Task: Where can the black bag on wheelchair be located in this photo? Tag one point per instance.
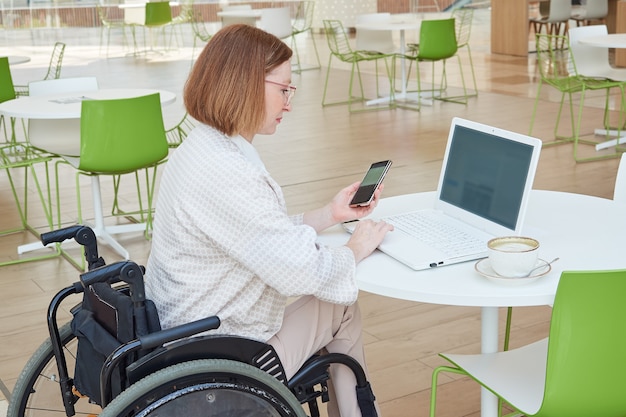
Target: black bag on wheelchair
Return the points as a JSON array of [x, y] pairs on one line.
[[106, 319]]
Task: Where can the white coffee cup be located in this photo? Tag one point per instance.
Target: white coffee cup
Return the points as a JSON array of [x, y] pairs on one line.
[[513, 256]]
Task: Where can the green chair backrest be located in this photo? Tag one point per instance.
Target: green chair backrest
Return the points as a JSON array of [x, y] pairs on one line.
[[304, 16], [463, 25], [158, 13], [7, 89], [337, 38], [122, 135], [437, 39], [56, 62], [555, 64], [586, 351]]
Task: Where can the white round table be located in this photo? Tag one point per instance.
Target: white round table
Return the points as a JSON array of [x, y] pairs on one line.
[[18, 59], [612, 40], [586, 233], [55, 120], [401, 25]]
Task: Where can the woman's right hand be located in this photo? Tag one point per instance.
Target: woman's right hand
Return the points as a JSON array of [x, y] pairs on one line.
[[366, 237]]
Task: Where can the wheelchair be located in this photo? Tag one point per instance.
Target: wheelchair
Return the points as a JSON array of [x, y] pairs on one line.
[[121, 363]]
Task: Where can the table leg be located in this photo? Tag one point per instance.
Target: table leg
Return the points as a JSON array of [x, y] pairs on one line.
[[609, 143], [403, 95], [489, 344]]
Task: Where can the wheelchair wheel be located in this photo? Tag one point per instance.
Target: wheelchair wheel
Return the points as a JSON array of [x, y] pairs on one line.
[[37, 392], [207, 387]]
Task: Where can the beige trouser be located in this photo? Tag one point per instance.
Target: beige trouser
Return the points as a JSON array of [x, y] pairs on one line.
[[310, 325]]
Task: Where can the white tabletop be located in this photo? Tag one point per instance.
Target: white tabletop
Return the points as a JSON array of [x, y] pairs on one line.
[[54, 121], [587, 233], [392, 24], [241, 13], [612, 40], [584, 232], [68, 106], [18, 59]]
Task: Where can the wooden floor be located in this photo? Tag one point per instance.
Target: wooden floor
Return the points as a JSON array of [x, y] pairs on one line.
[[315, 152]]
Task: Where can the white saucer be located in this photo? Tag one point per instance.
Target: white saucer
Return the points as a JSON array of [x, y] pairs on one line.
[[483, 267]]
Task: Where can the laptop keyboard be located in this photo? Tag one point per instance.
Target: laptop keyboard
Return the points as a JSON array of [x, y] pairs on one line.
[[437, 231]]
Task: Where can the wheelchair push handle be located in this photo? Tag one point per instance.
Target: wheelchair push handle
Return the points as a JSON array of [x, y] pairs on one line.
[[81, 234], [127, 271]]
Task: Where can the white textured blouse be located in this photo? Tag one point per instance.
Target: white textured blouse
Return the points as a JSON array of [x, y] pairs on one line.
[[224, 245]]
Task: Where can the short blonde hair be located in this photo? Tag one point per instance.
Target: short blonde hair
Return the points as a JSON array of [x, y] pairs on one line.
[[226, 87]]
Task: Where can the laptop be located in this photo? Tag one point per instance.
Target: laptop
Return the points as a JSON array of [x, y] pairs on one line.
[[483, 192]]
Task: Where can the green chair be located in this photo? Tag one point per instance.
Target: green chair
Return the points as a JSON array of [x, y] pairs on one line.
[[200, 33], [340, 49], [18, 156], [108, 24], [175, 136], [577, 371], [7, 92], [158, 16], [557, 69], [437, 42], [185, 15], [119, 137], [54, 68], [303, 23], [463, 27]]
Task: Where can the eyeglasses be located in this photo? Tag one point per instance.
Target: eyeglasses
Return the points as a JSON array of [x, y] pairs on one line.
[[288, 90]]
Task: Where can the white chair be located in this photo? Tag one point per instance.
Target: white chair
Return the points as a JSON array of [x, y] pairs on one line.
[[593, 61], [378, 41], [619, 192], [557, 18], [591, 11], [58, 136], [277, 21]]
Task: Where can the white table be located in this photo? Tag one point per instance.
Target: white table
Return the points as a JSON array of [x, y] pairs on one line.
[[612, 40], [401, 25], [566, 225], [18, 59], [249, 17], [54, 126], [64, 137]]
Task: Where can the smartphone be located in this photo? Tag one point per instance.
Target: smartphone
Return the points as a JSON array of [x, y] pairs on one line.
[[373, 178]]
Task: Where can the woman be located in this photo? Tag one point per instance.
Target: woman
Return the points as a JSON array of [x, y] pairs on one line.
[[223, 243]]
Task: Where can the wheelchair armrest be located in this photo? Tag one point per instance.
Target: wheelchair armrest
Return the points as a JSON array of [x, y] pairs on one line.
[[149, 342], [159, 338]]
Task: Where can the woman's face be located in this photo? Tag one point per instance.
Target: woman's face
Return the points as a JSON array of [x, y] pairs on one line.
[[276, 97]]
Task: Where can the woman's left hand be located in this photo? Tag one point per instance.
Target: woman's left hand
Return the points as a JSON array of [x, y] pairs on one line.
[[339, 210], [340, 204]]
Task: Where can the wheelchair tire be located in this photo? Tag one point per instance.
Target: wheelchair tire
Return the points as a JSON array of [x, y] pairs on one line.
[[37, 392], [207, 387]]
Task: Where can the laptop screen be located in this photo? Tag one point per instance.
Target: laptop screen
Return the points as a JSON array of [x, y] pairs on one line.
[[487, 174]]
